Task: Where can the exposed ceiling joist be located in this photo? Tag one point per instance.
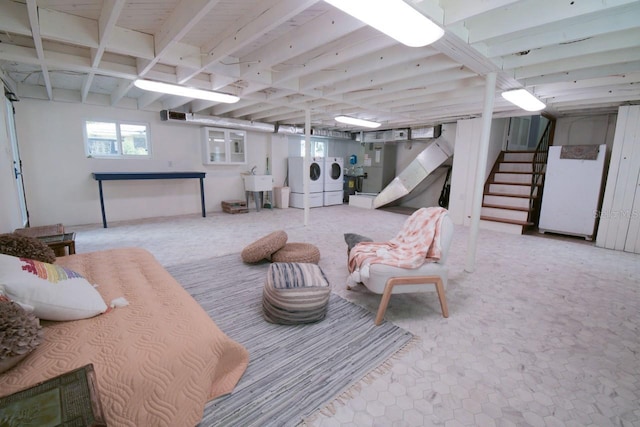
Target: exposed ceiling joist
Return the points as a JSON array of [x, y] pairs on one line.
[[283, 57]]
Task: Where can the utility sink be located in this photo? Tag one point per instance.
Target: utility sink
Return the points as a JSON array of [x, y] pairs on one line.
[[258, 183]]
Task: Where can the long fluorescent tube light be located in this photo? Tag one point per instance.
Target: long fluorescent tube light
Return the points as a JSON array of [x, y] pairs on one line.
[[188, 92], [523, 99], [395, 18], [357, 122]]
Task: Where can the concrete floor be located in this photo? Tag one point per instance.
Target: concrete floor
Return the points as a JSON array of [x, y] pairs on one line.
[[544, 331]]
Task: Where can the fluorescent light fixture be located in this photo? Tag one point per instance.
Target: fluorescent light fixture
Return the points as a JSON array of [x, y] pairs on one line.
[[357, 122], [523, 99], [395, 18], [189, 92]]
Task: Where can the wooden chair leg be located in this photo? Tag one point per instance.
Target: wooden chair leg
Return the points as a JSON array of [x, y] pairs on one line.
[[386, 296], [442, 298], [393, 281]]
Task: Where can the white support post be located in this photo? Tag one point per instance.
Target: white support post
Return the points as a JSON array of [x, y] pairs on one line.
[[481, 168], [307, 163]]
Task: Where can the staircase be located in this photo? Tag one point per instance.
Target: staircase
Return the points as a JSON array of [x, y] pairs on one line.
[[513, 191], [508, 196]]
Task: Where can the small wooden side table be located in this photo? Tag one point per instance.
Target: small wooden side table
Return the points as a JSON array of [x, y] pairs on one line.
[[41, 230], [58, 242], [53, 235]]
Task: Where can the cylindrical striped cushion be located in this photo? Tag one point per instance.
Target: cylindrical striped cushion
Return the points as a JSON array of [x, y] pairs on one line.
[[297, 252], [295, 293], [264, 247]]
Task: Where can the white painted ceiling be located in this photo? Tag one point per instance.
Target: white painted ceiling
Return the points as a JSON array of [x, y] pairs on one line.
[[283, 57]]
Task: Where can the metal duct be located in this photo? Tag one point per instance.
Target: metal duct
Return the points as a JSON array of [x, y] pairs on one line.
[[289, 129], [388, 135], [177, 116], [232, 123], [331, 133], [426, 132], [410, 178]]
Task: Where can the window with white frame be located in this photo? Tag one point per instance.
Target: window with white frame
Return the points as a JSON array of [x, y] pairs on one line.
[[116, 139], [318, 148]]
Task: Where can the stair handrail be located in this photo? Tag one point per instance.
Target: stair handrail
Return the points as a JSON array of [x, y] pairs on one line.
[[538, 166]]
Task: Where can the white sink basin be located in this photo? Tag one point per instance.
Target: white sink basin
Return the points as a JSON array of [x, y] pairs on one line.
[[258, 183]]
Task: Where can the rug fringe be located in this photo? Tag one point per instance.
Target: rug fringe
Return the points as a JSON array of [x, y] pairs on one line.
[[353, 390]]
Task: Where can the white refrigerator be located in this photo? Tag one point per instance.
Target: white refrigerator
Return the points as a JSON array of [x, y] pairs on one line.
[[572, 193]]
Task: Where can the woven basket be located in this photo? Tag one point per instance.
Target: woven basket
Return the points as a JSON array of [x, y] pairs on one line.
[[264, 247], [297, 252]]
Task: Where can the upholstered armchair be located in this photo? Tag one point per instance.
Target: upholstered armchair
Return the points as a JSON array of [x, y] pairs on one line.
[[430, 227]]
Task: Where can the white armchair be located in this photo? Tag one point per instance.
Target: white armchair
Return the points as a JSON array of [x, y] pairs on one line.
[[387, 279]]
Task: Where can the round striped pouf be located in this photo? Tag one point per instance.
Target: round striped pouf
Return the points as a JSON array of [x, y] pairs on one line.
[[295, 293], [297, 252]]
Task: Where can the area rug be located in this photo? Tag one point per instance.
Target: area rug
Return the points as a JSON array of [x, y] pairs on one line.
[[293, 370]]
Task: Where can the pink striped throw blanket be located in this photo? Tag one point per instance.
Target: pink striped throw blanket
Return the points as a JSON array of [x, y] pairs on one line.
[[418, 242]]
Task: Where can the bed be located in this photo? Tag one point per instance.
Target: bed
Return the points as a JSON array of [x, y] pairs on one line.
[[157, 360]]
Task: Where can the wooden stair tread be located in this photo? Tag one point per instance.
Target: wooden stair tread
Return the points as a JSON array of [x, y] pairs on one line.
[[519, 172], [506, 221], [521, 196], [528, 162], [510, 208], [526, 184]]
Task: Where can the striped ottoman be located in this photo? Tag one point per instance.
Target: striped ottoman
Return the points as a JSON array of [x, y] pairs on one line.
[[295, 293]]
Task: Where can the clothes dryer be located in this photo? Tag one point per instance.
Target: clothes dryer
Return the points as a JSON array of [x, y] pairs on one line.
[[333, 173], [297, 174], [333, 181]]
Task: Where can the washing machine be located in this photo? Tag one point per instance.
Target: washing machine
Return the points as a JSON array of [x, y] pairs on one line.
[[333, 181], [297, 175]]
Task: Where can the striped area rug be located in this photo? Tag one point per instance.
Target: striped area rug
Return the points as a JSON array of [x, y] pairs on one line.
[[293, 370]]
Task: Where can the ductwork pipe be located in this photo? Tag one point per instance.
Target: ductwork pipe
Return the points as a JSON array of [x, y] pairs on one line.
[[175, 116]]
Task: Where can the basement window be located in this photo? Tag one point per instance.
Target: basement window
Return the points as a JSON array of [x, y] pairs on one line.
[[115, 139], [318, 148]]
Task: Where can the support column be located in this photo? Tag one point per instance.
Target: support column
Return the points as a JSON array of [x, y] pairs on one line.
[[481, 169], [307, 162]]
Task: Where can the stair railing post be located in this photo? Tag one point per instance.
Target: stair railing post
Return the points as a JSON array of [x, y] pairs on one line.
[[537, 168], [481, 169]]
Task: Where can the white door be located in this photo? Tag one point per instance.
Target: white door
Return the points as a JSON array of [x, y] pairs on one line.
[[17, 163]]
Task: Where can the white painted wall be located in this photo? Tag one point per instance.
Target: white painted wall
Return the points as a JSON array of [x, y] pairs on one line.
[[619, 227], [587, 130], [60, 187], [58, 179], [278, 158], [465, 157]]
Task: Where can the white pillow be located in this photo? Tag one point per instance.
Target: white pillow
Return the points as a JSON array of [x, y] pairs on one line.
[[54, 292]]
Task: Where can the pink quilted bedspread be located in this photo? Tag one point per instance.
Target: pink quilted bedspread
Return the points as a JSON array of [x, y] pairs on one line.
[[157, 360], [418, 242]]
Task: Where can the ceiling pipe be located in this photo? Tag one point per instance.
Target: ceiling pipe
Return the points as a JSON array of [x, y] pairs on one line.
[[167, 115]]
